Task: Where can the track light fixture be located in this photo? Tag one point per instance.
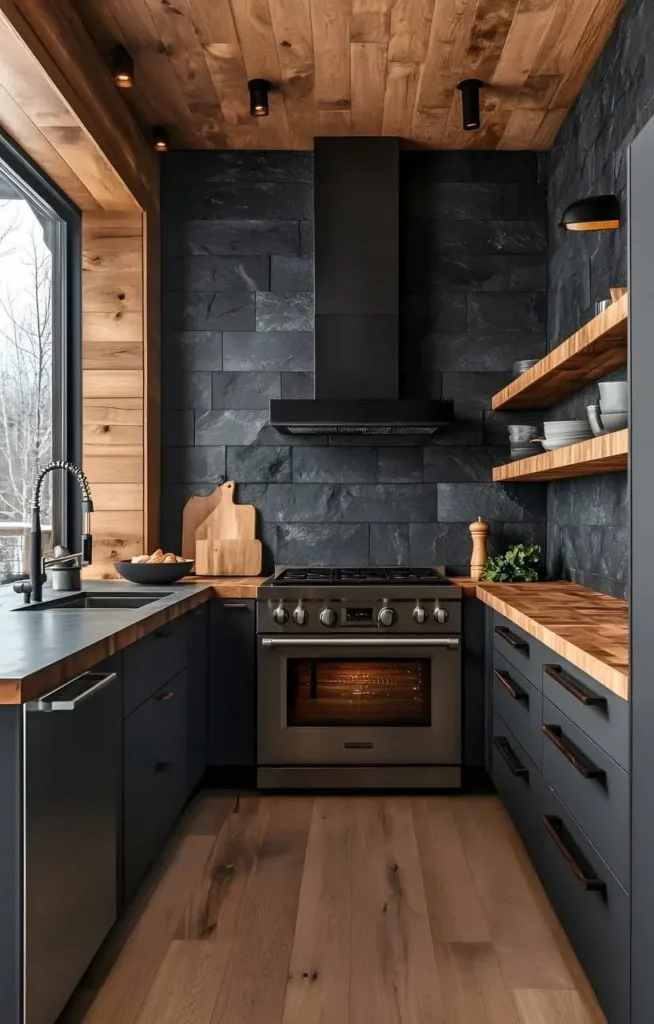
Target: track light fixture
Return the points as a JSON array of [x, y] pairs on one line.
[[596, 213], [259, 89], [469, 89], [122, 67], [160, 138]]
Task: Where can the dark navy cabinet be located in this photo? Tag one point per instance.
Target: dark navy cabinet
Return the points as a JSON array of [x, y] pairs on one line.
[[197, 671], [232, 683]]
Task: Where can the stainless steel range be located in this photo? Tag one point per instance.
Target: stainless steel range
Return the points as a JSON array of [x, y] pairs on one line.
[[359, 679]]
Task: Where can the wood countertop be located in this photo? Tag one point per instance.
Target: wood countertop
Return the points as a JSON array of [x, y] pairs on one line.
[[589, 629], [230, 586]]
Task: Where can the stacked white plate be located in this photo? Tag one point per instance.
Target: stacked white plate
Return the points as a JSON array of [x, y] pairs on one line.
[[559, 433]]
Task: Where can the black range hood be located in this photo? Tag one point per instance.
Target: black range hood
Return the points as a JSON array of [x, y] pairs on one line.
[[357, 366]]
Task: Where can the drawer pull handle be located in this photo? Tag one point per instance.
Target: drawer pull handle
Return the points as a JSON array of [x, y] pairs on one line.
[[576, 758], [236, 605], [514, 641], [514, 765], [163, 766], [165, 696], [515, 692], [576, 689], [582, 872]]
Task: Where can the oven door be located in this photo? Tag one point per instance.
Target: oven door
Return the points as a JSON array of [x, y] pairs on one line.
[[358, 700]]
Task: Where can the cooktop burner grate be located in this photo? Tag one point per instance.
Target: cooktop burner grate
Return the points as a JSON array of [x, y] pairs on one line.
[[360, 577]]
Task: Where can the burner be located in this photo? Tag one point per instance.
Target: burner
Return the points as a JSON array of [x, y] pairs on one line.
[[360, 577]]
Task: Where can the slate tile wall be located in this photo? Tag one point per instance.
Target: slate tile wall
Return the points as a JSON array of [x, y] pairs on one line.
[[238, 319], [588, 522]]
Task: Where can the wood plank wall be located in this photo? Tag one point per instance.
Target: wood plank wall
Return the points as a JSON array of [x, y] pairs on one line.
[[112, 383], [60, 104]]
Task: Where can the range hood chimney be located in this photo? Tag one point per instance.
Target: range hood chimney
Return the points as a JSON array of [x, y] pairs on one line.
[[357, 366]]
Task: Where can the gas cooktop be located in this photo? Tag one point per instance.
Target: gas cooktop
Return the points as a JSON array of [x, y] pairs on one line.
[[326, 576]]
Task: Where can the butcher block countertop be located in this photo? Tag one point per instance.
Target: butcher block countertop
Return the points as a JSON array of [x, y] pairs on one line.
[[230, 586], [41, 649], [589, 629]]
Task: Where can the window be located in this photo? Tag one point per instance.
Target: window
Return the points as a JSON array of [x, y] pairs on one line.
[[39, 354]]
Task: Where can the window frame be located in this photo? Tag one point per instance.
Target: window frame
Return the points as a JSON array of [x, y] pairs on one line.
[[66, 251]]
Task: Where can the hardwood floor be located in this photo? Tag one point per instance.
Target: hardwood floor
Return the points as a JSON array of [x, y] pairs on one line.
[[340, 910]]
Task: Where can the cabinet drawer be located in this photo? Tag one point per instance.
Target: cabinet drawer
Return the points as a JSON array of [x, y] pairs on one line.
[[517, 781], [601, 714], [151, 662], [590, 902], [519, 648], [592, 786], [520, 705], [154, 776]]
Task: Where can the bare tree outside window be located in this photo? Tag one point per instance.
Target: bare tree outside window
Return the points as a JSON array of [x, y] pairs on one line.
[[26, 358]]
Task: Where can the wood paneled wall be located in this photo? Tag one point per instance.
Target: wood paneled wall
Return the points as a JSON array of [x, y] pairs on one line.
[[58, 101]]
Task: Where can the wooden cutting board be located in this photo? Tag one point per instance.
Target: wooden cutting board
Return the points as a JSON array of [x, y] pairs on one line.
[[195, 512], [226, 543]]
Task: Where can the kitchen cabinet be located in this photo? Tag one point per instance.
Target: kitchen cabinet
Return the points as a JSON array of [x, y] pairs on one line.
[[232, 684], [558, 753], [197, 669]]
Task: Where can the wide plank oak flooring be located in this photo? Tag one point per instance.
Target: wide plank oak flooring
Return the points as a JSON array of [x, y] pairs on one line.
[[339, 910]]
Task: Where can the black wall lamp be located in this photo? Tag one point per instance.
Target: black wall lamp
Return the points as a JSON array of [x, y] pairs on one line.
[[259, 89], [469, 89], [596, 213], [122, 67], [160, 138]]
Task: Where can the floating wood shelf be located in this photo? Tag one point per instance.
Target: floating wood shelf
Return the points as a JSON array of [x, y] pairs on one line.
[[605, 454], [597, 348]]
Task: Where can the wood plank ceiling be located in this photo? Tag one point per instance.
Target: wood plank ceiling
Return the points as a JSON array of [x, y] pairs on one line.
[[360, 67]]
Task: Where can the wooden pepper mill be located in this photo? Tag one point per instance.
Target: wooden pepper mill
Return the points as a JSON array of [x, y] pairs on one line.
[[479, 557]]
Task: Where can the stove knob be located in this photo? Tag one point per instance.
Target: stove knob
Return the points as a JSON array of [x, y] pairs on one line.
[[386, 616], [440, 614], [328, 617], [419, 615], [280, 615], [300, 616]]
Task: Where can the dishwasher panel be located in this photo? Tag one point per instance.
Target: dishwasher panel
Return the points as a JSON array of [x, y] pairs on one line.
[[72, 757]]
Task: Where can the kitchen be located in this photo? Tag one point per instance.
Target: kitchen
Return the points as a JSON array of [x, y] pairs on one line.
[[208, 836]]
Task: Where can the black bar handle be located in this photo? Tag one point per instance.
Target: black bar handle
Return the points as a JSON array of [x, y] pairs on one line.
[[515, 692], [554, 829], [514, 765], [575, 688], [576, 758], [514, 641], [240, 605]]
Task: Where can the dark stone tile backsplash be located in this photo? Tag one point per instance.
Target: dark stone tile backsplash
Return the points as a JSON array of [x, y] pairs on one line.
[[238, 320], [589, 522]]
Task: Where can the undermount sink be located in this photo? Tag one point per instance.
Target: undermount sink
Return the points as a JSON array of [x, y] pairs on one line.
[[89, 600]]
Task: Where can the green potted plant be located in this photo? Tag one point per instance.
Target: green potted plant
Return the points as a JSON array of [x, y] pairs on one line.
[[520, 564]]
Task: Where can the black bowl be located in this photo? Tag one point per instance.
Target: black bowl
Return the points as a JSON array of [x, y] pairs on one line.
[[153, 573]]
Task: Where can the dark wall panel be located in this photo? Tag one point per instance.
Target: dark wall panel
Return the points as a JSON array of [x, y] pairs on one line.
[[588, 520], [238, 331]]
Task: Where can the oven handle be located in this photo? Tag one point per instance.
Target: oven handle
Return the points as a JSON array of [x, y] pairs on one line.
[[451, 642]]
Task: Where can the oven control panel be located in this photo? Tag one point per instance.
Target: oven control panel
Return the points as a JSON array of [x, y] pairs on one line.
[[287, 614]]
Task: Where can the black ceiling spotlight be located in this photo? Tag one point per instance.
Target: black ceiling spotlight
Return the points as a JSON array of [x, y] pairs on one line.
[[259, 89], [122, 67], [470, 100], [596, 213], [160, 138]]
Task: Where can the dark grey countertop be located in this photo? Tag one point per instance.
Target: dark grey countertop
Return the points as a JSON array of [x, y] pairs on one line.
[[41, 648]]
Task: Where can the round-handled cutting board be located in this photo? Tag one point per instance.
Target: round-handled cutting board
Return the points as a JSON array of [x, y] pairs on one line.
[[226, 543]]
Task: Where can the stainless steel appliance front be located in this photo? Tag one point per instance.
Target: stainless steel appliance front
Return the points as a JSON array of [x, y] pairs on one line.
[[388, 707]]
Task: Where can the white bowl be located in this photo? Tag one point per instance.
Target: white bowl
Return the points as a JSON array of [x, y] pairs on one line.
[[614, 420], [556, 428], [615, 392], [612, 406], [551, 444]]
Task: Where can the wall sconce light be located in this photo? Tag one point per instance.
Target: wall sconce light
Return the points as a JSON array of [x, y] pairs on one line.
[[160, 138], [469, 89], [259, 89], [596, 213], [122, 67]]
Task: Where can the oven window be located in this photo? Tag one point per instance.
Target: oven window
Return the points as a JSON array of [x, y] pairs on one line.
[[349, 691]]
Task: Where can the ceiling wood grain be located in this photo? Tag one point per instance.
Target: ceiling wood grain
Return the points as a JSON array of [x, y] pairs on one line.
[[360, 67]]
